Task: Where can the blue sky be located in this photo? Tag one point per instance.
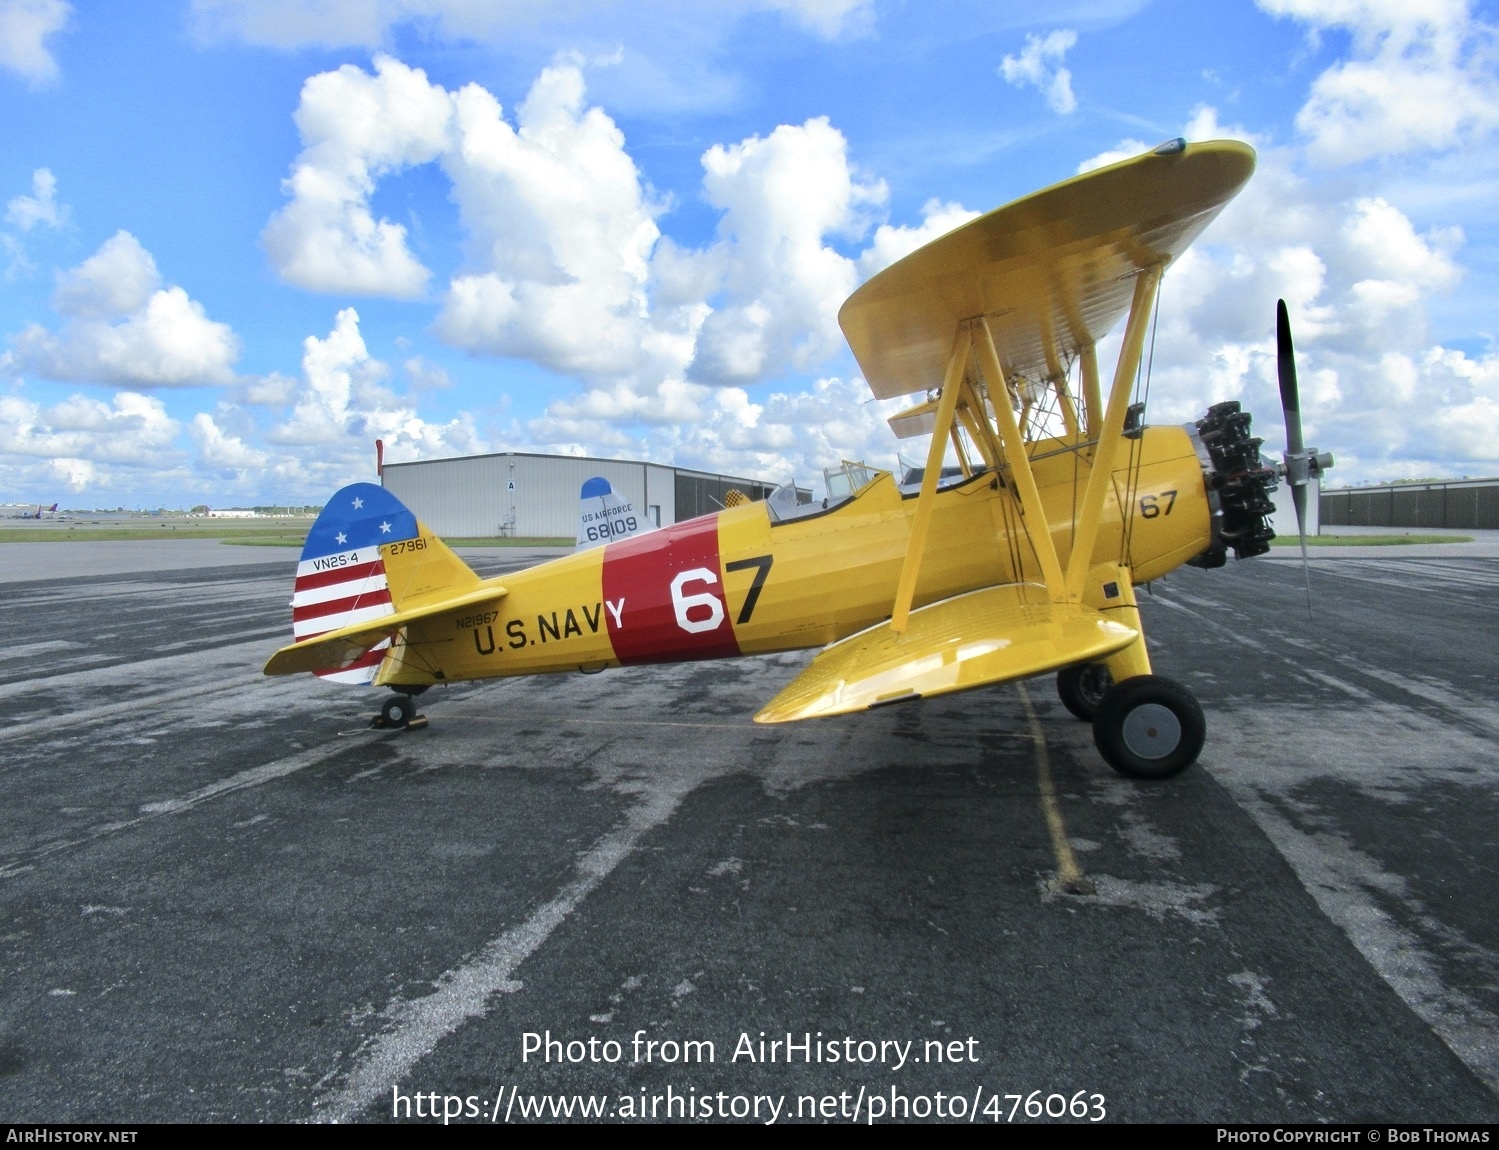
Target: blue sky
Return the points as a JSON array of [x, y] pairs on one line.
[[241, 240]]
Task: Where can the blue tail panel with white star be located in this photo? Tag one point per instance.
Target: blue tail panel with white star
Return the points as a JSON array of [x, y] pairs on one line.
[[341, 577]]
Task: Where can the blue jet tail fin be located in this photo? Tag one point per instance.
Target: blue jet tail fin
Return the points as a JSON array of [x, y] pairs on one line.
[[605, 517]]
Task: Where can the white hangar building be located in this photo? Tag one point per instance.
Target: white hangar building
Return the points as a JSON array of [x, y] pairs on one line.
[[515, 493]]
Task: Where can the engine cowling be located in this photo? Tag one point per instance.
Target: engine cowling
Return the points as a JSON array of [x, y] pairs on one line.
[[1238, 483]]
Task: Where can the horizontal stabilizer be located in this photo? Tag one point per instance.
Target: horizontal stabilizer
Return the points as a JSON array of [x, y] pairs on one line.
[[988, 636], [347, 645]]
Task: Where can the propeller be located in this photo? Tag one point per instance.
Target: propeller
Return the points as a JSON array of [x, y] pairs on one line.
[[1299, 465]]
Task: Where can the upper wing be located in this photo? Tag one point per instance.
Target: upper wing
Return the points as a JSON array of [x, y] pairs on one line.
[[1052, 272]]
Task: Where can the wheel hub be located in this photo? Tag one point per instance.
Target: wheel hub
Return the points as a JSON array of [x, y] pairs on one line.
[[1152, 731]]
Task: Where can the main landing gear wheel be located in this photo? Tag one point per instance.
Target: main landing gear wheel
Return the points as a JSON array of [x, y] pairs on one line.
[[398, 711], [1083, 687], [1149, 728]]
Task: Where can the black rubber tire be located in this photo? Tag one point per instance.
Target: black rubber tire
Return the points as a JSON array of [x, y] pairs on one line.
[[1149, 728], [1083, 687], [398, 710]]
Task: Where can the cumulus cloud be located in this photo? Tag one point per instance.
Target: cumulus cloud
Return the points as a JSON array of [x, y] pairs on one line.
[[270, 390], [790, 433], [786, 434], [780, 282], [561, 230], [1467, 424], [25, 26], [39, 208], [424, 376], [83, 440], [1358, 277], [1421, 78], [123, 328], [1039, 65], [372, 23], [674, 345], [220, 451], [830, 19], [116, 280], [354, 129], [568, 268], [342, 404], [282, 437], [892, 242], [340, 381]]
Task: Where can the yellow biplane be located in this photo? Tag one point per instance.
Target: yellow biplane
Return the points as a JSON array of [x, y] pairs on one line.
[[1019, 558]]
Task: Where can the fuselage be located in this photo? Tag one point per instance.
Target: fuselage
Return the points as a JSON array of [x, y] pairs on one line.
[[741, 582]]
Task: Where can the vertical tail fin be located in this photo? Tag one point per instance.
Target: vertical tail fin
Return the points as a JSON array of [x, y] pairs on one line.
[[604, 517], [366, 557]]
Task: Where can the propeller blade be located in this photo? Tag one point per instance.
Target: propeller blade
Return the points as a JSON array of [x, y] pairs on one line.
[[1290, 401], [1298, 497], [1285, 370]]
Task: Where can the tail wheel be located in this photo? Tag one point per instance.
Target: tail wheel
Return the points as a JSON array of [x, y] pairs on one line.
[[1149, 728], [1083, 687], [398, 710]]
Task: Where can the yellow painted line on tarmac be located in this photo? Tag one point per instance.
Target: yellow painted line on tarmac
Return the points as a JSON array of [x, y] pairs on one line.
[[1069, 878]]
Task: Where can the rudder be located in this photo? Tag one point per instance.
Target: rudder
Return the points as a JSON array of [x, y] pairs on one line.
[[366, 557]]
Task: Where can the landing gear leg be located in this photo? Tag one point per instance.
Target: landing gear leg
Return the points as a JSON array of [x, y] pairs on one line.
[[1144, 726]]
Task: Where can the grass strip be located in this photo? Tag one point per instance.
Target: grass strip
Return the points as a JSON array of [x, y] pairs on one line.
[[1367, 540], [121, 534]]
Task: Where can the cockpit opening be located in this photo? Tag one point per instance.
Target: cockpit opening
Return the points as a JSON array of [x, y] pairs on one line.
[[840, 484]]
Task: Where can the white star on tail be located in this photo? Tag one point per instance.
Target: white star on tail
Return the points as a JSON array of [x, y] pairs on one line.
[[385, 529], [342, 538], [358, 503]]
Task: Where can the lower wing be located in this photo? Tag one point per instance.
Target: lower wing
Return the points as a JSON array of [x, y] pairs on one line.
[[993, 635]]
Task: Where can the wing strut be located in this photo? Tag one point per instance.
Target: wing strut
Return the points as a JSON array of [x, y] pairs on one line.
[[1109, 435], [1057, 376], [1020, 468], [947, 405], [1068, 406], [957, 445], [1092, 398], [970, 424], [972, 411]]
